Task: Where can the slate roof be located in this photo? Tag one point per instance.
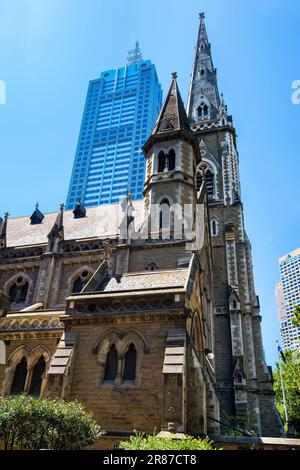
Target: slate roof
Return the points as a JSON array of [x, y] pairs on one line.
[[99, 222], [144, 281], [172, 116]]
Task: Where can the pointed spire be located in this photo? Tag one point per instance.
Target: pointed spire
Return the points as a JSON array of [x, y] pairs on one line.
[[204, 99], [172, 116], [172, 120], [37, 216], [3, 228], [135, 55]]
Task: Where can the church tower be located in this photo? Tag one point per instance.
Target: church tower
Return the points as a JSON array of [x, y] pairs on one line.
[[243, 379]]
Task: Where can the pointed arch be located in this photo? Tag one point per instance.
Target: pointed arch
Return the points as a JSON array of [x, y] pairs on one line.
[[209, 169], [19, 378], [79, 278], [37, 377], [130, 364], [18, 287], [111, 364], [123, 341], [214, 226]]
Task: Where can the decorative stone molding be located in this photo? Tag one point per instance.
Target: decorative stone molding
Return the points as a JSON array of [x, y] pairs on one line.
[[32, 356], [129, 318], [127, 305]]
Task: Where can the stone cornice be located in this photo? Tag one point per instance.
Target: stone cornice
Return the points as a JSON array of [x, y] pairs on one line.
[[91, 319], [30, 324]]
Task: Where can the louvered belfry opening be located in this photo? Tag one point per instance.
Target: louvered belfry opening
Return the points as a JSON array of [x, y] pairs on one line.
[[209, 179]]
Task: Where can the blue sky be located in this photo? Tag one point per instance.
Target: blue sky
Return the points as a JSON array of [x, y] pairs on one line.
[[50, 49]]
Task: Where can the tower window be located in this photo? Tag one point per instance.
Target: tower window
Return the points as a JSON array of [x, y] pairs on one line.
[[166, 162], [161, 162], [203, 111], [209, 180], [171, 160], [111, 367], [164, 214], [130, 363], [214, 228]]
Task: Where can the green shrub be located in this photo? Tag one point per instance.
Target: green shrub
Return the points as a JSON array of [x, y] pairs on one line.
[[142, 442], [28, 423]]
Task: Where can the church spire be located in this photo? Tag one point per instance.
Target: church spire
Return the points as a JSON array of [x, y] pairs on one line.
[[204, 100], [172, 117]]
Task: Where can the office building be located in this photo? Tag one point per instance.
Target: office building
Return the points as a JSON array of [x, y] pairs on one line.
[[287, 297], [120, 111]]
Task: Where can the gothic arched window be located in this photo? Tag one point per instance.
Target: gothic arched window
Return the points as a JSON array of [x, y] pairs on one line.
[[214, 228], [18, 291], [130, 363], [209, 180], [164, 214], [171, 160], [37, 377], [166, 162], [203, 111], [161, 162], [111, 366], [80, 282], [19, 377]]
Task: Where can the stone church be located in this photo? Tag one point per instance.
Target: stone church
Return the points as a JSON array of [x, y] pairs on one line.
[[145, 311]]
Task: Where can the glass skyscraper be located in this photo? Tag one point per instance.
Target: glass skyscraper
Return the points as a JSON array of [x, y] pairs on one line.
[[120, 111], [287, 296]]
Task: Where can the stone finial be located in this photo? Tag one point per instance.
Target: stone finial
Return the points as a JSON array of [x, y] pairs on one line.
[[106, 247], [174, 75], [202, 15]]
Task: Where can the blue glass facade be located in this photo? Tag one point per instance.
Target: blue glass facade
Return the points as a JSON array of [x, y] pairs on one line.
[[120, 112]]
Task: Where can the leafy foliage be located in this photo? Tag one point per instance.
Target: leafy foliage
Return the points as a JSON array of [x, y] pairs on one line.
[[142, 442], [249, 425], [291, 382], [296, 319], [28, 423]]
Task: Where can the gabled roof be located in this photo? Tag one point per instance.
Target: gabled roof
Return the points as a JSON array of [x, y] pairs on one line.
[[99, 222]]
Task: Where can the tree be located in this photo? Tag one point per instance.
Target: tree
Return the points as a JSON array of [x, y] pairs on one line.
[[142, 442], [296, 319], [290, 375], [31, 424]]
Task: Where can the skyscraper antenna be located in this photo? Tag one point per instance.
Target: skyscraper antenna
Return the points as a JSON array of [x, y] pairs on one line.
[[135, 55]]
